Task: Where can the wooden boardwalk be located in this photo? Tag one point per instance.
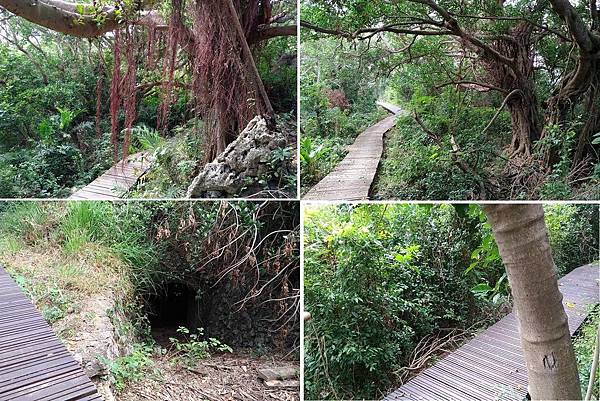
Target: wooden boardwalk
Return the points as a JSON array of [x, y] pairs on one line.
[[351, 179], [34, 364], [491, 366], [117, 180]]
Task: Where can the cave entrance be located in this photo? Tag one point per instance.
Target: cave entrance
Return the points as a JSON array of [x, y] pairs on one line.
[[174, 305]]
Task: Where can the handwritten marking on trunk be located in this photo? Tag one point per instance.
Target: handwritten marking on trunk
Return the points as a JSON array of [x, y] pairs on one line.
[[550, 361]]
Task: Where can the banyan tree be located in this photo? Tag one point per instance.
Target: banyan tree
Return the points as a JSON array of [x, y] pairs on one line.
[[204, 47]]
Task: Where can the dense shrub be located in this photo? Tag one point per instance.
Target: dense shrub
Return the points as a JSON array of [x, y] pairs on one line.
[[574, 236], [422, 165], [379, 278], [276, 63]]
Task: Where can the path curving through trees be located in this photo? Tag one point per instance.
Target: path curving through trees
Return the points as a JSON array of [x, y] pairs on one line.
[[352, 177]]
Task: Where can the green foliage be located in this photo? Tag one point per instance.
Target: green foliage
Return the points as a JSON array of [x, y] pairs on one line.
[[176, 160], [195, 348], [83, 223], [76, 226], [26, 221], [145, 138], [66, 117], [276, 63], [379, 278], [283, 172], [39, 120], [310, 156], [583, 344], [132, 367], [418, 166], [573, 232]]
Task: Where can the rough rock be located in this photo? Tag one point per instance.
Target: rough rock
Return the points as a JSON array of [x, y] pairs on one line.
[[241, 164], [98, 337]]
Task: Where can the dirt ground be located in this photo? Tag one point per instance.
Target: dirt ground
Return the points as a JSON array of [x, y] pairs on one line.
[[220, 378]]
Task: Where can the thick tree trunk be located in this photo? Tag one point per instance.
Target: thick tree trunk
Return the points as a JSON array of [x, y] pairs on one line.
[[584, 148], [523, 106], [525, 119], [250, 64], [520, 233], [576, 86]]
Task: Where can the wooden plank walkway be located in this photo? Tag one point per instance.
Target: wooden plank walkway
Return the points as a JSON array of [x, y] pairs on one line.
[[34, 364], [491, 366], [351, 179], [117, 180]]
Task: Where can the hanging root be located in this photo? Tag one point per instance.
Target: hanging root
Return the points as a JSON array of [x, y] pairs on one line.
[[150, 61], [115, 95], [99, 84], [173, 39], [129, 89], [226, 97]]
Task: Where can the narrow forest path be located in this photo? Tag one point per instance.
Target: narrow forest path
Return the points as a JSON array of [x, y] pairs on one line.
[[491, 366], [352, 178], [117, 180]]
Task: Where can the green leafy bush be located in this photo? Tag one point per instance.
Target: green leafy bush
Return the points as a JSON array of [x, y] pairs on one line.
[[573, 232], [195, 348], [132, 367], [377, 280]]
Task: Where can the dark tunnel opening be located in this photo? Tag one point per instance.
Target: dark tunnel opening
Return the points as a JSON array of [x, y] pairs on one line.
[[173, 306]]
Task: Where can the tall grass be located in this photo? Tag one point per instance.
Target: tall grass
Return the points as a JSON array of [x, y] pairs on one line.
[[25, 221], [119, 229], [84, 223]]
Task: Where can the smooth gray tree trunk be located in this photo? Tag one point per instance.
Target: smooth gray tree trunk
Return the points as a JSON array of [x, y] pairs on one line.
[[521, 235]]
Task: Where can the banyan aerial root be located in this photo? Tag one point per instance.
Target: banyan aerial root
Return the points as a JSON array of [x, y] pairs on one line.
[[227, 91]]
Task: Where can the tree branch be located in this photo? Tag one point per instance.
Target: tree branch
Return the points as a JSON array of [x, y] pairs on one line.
[[585, 39], [467, 82], [269, 32], [511, 94], [65, 17], [388, 28]]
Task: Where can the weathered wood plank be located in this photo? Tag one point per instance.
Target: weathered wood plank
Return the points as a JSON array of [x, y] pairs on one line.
[[491, 365], [117, 180], [352, 178], [34, 364]]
